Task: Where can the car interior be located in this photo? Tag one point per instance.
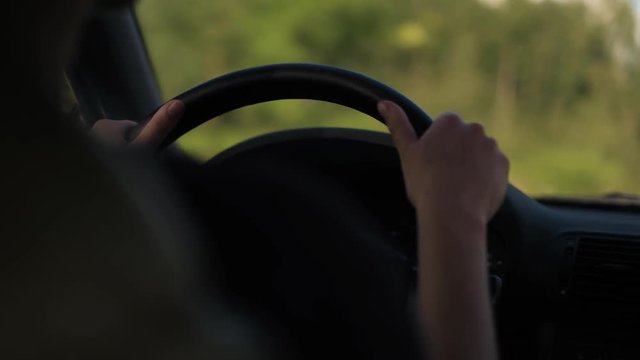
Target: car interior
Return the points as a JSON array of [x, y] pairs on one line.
[[564, 272]]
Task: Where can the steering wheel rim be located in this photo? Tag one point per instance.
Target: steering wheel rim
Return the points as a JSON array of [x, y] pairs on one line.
[[288, 81], [296, 81]]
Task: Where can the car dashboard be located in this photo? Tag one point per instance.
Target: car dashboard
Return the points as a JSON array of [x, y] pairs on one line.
[[565, 278]]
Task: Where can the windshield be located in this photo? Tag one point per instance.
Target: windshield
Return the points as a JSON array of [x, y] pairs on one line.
[[556, 82]]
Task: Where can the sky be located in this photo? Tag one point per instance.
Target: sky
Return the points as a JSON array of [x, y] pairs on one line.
[[636, 6], [595, 4]]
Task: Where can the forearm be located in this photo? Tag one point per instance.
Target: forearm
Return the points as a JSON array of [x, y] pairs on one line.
[[453, 288], [456, 177]]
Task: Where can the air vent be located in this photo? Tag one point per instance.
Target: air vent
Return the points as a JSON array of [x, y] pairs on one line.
[[603, 317], [606, 278]]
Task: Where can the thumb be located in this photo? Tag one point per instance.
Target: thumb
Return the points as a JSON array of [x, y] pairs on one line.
[[161, 124], [399, 126]]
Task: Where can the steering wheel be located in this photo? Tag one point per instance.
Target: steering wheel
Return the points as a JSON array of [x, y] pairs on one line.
[[289, 81], [269, 189]]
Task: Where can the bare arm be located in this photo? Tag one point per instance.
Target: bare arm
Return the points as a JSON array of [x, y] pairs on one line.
[[456, 178]]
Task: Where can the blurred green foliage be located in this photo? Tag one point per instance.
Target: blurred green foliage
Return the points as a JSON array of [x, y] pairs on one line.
[[557, 83]]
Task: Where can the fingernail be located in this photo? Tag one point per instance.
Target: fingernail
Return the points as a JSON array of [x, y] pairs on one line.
[[383, 108], [175, 108]]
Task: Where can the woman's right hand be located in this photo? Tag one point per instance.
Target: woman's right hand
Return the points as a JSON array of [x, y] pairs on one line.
[[453, 166]]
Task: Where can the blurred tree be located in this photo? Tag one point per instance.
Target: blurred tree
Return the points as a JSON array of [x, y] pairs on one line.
[[556, 82]]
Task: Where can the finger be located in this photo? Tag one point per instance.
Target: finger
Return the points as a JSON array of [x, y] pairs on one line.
[[476, 129], [399, 126], [112, 132], [448, 120], [161, 124], [506, 162]]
